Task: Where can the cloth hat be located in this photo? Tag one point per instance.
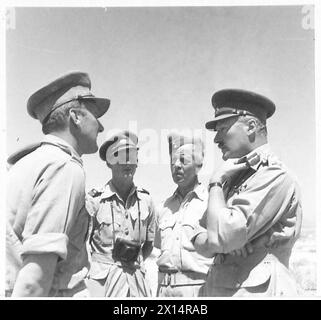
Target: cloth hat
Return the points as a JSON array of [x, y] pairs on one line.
[[192, 143], [230, 103], [116, 142], [69, 87]]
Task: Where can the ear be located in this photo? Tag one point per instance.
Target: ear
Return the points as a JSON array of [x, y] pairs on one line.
[[75, 116], [251, 126]]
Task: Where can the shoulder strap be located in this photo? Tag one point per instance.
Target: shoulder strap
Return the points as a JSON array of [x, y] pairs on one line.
[[16, 156]]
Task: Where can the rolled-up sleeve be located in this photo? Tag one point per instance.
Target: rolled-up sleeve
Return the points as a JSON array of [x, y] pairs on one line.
[[57, 200]]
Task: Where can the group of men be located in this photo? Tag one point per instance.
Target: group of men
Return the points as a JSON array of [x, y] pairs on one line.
[[231, 238]]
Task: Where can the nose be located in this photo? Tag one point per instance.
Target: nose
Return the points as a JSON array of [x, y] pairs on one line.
[[101, 127], [177, 163], [217, 138]]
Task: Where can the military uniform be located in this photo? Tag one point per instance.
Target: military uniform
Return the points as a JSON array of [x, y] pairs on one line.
[[46, 203], [262, 200], [112, 218], [46, 214], [182, 271]]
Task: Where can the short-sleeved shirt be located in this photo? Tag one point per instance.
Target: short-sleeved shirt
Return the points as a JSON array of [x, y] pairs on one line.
[[262, 200], [112, 218], [46, 212], [176, 221]]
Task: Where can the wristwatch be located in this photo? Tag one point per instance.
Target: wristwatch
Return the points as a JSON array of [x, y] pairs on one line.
[[214, 184]]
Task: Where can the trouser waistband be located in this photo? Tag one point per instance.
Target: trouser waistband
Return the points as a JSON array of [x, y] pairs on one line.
[[180, 278]]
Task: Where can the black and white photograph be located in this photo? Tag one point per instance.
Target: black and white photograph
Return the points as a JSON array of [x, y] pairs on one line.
[[159, 150]]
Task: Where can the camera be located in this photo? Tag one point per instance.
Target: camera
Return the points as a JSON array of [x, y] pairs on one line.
[[125, 250]]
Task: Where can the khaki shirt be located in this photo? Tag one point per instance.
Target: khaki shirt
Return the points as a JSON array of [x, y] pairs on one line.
[[112, 218], [177, 219], [46, 212], [264, 200]]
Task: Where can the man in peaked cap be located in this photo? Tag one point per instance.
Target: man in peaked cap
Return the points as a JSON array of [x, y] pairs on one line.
[[182, 271], [47, 221], [252, 198], [122, 229]]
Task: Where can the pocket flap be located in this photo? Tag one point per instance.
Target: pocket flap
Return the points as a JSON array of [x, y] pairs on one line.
[[234, 276], [260, 274], [167, 222], [104, 215]]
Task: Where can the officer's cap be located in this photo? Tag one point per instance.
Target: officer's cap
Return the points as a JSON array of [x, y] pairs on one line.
[[72, 86], [119, 141], [230, 103]]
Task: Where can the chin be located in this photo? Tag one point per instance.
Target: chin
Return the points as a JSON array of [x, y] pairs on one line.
[[178, 181], [229, 155], [225, 156], [93, 150]]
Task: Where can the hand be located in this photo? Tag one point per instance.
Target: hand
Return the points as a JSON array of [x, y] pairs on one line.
[[231, 167], [244, 252]]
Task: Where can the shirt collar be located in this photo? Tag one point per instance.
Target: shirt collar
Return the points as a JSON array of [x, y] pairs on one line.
[[198, 191], [263, 151], [110, 191], [62, 144]]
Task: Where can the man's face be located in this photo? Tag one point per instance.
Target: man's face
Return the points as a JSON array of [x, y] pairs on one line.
[[232, 138], [183, 167], [89, 129], [125, 165]]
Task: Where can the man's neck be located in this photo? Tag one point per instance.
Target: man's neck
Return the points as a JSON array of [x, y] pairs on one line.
[[122, 188], [69, 138], [184, 190]]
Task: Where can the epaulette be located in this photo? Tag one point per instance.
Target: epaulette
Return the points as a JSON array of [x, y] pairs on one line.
[[143, 190], [22, 152], [95, 193]]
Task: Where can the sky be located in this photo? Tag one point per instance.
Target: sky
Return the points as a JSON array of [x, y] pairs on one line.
[[160, 66]]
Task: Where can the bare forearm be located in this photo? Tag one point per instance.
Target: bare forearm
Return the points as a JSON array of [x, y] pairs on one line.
[[36, 276]]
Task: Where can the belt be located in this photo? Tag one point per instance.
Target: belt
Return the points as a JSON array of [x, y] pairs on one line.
[[170, 278], [167, 270]]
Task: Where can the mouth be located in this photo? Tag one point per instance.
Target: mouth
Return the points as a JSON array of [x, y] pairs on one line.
[[127, 170], [222, 147], [179, 175]]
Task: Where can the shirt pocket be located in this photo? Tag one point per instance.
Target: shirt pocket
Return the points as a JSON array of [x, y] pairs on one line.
[[166, 227], [259, 275], [144, 214], [187, 231], [106, 227], [234, 276]]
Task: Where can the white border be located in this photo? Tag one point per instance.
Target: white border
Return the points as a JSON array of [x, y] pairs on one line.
[[147, 3]]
